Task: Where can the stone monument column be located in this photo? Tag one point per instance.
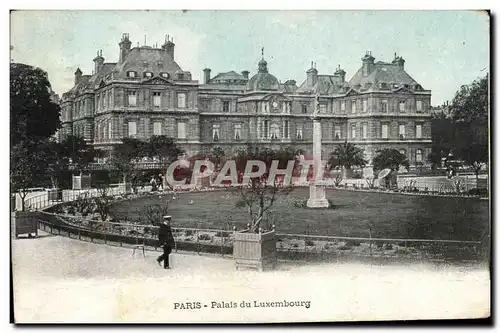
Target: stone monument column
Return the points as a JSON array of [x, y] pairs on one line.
[[317, 197]]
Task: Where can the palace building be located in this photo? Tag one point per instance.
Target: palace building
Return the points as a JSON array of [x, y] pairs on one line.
[[146, 93]]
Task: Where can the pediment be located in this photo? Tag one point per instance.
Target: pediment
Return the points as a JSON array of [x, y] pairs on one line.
[[403, 89], [157, 80], [351, 92]]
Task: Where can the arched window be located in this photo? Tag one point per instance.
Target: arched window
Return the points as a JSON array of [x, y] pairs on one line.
[[275, 131]]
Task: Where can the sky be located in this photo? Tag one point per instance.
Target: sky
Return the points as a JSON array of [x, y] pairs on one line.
[[443, 49]]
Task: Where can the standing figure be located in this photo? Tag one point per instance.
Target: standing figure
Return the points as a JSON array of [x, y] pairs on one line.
[[166, 241]]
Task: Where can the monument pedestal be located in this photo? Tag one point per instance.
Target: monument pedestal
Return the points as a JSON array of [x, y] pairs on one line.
[[317, 198]]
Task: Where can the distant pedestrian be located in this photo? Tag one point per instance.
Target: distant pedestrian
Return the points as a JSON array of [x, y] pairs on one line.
[[166, 240]]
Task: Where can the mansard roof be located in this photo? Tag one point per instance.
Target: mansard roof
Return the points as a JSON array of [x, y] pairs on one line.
[[145, 58], [383, 72], [325, 84], [228, 77]]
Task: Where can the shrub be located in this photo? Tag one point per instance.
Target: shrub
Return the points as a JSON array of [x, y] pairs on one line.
[[478, 191], [295, 245], [222, 234], [327, 246], [204, 237], [71, 210], [352, 242], [388, 247], [345, 247], [309, 242], [300, 203], [188, 232]]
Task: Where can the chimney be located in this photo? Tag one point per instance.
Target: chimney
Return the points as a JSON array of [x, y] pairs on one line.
[[368, 63], [399, 61], [206, 75], [98, 62], [341, 73], [124, 45], [312, 76], [78, 75], [169, 46], [245, 74]]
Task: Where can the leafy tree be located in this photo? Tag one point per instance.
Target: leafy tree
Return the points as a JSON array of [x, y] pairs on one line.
[[390, 159], [28, 165], [217, 156], [470, 110], [443, 137], [164, 149], [33, 115], [77, 152], [124, 158], [347, 155], [103, 202]]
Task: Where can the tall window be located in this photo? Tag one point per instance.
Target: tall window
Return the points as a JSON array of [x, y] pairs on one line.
[[286, 107], [353, 131], [104, 131], [342, 106], [286, 129], [156, 99], [418, 155], [402, 131], [299, 133], [337, 132], [265, 107], [132, 98], [237, 131], [109, 98], [304, 108], [275, 131], [353, 106], [110, 130], [215, 132], [105, 99], [131, 74], [419, 106], [364, 131], [385, 131], [157, 128], [181, 100], [132, 129], [401, 106], [181, 130], [418, 131], [266, 129], [365, 105], [225, 106], [383, 106], [322, 108]]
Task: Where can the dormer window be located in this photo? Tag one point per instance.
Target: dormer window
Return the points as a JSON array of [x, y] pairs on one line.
[[148, 74], [180, 76], [165, 75], [131, 74]]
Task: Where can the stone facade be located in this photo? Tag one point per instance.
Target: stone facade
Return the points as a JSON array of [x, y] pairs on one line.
[[146, 93]]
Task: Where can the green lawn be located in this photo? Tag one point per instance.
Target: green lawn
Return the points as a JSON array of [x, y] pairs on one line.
[[392, 215]]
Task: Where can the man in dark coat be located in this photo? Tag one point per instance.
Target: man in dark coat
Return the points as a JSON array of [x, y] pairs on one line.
[[166, 240]]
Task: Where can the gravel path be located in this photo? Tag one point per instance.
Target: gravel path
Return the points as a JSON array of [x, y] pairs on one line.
[[62, 280]]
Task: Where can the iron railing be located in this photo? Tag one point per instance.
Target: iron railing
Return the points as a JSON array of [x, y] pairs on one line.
[[289, 246]]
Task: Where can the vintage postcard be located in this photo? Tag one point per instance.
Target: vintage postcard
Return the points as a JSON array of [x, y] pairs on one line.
[[205, 166]]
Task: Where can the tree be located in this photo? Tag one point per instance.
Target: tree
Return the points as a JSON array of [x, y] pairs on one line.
[[347, 155], [33, 115], [28, 165], [260, 193], [124, 158], [103, 202], [164, 149], [216, 156], [443, 137], [390, 159], [75, 151], [470, 110]]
